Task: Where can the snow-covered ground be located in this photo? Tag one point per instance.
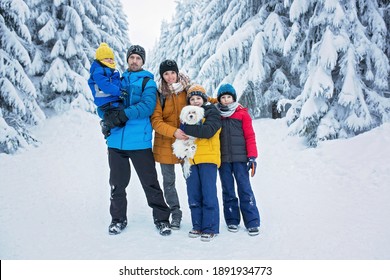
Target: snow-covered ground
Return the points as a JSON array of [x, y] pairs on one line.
[[328, 203]]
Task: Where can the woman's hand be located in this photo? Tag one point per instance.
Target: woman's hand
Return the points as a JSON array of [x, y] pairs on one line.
[[179, 134]]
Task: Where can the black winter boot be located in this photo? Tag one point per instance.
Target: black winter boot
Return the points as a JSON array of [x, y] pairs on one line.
[[117, 226], [164, 228]]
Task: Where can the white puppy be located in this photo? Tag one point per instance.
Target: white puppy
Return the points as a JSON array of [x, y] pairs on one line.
[[185, 149]]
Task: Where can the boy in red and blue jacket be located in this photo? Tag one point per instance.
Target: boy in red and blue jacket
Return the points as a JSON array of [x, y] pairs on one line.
[[238, 153]]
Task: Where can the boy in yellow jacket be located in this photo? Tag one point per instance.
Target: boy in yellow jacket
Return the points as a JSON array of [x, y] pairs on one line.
[[202, 183]]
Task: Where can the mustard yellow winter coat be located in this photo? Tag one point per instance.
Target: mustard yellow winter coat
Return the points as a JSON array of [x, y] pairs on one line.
[[165, 124]]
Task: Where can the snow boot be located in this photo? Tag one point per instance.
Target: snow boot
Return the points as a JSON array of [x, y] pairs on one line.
[[232, 228], [207, 236], [194, 233], [175, 224], [253, 231], [117, 226], [164, 228]]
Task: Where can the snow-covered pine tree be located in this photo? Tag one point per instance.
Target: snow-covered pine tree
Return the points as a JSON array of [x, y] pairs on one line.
[[229, 51], [267, 78], [60, 37], [175, 37], [67, 35], [303, 52], [160, 53], [205, 34], [113, 29], [18, 106], [248, 54], [61, 54], [384, 10], [238, 42], [345, 79]]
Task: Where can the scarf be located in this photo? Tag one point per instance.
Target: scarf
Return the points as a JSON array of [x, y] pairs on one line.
[[110, 65], [182, 84], [227, 111]]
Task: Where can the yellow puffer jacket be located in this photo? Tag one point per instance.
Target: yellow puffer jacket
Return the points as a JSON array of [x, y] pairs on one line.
[[165, 124], [208, 150]]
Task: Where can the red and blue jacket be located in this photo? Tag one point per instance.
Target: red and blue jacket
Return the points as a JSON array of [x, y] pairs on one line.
[[238, 139]]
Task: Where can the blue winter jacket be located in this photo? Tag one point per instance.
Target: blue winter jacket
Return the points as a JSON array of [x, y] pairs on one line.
[[139, 106], [105, 83]]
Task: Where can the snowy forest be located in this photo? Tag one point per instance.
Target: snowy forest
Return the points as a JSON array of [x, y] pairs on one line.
[[323, 65]]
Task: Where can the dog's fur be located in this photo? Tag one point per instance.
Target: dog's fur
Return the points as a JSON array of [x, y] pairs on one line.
[[185, 149]]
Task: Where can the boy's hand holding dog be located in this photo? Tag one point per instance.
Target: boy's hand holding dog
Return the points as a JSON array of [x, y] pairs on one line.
[[252, 164]]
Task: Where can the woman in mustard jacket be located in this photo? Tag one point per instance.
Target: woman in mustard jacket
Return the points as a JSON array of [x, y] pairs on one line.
[[172, 97]]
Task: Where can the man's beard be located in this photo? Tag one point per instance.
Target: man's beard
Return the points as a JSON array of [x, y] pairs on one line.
[[135, 67]]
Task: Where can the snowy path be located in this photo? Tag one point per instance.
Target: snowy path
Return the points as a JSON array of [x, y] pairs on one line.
[[324, 203]]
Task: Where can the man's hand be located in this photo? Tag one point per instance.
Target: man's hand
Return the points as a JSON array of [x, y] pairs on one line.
[[252, 165], [115, 118]]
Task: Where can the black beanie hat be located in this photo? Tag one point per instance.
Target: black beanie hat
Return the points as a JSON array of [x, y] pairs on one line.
[[168, 65], [136, 49]]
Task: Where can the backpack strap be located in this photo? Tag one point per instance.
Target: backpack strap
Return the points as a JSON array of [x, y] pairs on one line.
[[162, 97], [144, 82]]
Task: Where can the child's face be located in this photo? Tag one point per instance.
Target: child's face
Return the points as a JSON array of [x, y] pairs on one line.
[[226, 99], [170, 77], [108, 60], [196, 100]]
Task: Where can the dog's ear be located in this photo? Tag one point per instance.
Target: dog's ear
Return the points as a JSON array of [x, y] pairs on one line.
[[183, 114]]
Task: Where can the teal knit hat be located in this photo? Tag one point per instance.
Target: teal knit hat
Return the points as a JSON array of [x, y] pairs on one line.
[[226, 89]]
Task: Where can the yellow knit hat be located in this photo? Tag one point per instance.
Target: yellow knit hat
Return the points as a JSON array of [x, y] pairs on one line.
[[104, 51]]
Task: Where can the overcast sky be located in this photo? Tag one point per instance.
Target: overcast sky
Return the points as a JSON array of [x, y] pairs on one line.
[[145, 19]]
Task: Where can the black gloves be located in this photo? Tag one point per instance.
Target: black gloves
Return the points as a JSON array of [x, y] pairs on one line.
[[105, 129], [114, 118], [252, 164]]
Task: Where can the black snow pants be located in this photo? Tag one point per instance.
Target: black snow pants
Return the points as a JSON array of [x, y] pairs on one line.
[[145, 167]]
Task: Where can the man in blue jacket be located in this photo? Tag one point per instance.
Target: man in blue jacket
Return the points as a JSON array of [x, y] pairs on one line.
[[131, 138]]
